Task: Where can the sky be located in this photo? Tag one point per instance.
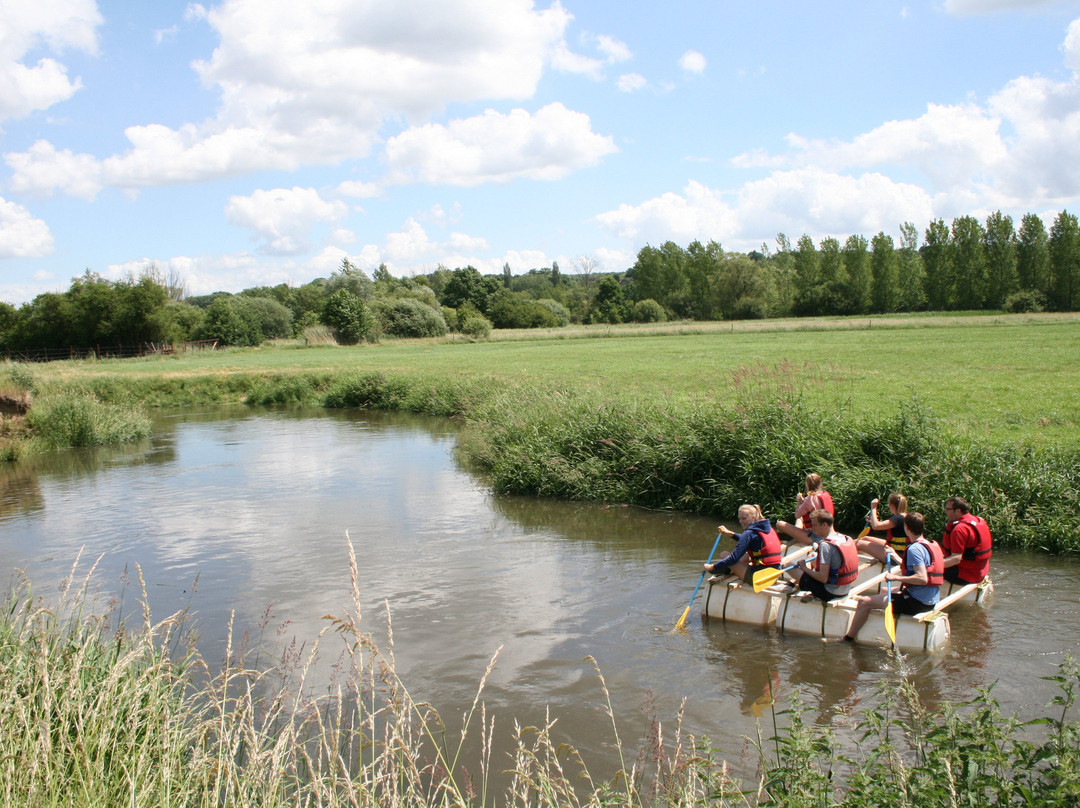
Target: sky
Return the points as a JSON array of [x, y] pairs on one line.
[[258, 142]]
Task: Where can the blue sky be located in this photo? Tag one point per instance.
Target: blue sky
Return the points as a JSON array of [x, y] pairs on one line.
[[255, 142]]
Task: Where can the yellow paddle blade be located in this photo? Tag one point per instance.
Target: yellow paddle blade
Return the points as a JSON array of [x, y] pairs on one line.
[[765, 578], [890, 623], [863, 533], [682, 620]]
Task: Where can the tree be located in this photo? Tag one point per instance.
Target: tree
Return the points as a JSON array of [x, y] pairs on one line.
[[702, 268], [1033, 255], [347, 315], [223, 323], [969, 263], [1065, 262], [507, 275], [1001, 259], [911, 275], [555, 276], [609, 305], [937, 262], [857, 268], [350, 277], [467, 285], [807, 276], [587, 267], [885, 293]]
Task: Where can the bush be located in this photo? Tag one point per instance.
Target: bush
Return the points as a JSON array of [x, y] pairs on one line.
[[648, 311], [476, 325], [346, 313], [410, 318], [522, 314], [1026, 301], [78, 419], [562, 314], [750, 308]]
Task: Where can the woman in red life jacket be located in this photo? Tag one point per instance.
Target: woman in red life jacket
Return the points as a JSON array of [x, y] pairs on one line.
[[756, 547], [837, 565], [967, 544], [920, 575], [814, 498], [895, 536]]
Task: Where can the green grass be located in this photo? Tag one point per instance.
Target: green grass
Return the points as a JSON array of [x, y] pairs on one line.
[[1001, 378]]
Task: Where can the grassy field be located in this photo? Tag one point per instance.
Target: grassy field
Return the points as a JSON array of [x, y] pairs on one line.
[[1002, 379]]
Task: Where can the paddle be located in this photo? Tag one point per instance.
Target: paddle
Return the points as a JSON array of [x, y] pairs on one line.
[[890, 621], [865, 530], [686, 612], [765, 578]]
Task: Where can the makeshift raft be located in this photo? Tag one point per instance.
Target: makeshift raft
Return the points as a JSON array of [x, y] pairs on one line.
[[785, 607]]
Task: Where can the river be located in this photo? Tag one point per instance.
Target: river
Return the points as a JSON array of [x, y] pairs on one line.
[[234, 511]]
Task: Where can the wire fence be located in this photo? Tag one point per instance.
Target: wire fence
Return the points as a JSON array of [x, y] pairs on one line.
[[109, 351]]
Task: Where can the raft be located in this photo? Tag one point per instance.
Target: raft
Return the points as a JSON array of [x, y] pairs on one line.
[[790, 610]]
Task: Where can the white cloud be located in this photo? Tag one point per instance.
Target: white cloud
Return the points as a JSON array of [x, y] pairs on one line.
[[962, 7], [313, 83], [629, 82], [692, 62], [614, 51], [806, 200], [494, 147], [21, 234], [29, 26], [1071, 47], [282, 218], [359, 190], [42, 169]]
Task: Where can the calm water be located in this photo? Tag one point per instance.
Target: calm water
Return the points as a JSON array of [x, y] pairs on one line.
[[246, 512]]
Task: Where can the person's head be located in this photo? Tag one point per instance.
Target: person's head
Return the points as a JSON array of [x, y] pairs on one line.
[[897, 503], [955, 507], [821, 521], [748, 514], [813, 483], [914, 524]]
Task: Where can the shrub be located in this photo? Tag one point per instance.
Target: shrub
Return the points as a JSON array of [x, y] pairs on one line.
[[507, 313], [410, 318], [648, 311], [562, 314], [750, 308], [346, 313], [476, 325], [1025, 301], [78, 419]]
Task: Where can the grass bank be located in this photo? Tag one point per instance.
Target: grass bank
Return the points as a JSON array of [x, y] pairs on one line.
[[95, 715], [703, 419]]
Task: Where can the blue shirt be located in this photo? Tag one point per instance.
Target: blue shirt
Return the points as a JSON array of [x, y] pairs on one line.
[[749, 539], [919, 556]]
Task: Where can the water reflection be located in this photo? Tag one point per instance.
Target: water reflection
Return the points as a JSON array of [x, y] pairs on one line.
[[246, 512]]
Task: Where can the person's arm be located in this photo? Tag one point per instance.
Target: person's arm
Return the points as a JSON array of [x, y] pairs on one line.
[[801, 534], [875, 523], [959, 540], [742, 544], [821, 574], [917, 577]]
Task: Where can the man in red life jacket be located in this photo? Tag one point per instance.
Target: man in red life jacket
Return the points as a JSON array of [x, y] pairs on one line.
[[967, 544], [920, 575]]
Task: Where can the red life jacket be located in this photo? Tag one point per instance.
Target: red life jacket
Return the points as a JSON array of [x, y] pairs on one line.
[[935, 573], [975, 558], [827, 503], [848, 570], [770, 554]]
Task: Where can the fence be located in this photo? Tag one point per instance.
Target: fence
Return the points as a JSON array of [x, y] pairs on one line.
[[109, 351]]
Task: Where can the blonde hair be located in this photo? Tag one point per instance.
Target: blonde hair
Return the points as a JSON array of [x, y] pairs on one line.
[[813, 483], [752, 509], [898, 502]]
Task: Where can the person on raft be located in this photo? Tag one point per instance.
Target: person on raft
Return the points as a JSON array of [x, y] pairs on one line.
[[831, 575], [967, 544], [920, 576], [756, 548], [895, 535], [815, 497]]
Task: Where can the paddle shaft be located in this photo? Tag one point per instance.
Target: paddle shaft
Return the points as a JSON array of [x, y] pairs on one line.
[[682, 620]]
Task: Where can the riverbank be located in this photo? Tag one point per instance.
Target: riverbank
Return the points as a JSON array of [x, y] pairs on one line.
[[103, 709], [703, 420]]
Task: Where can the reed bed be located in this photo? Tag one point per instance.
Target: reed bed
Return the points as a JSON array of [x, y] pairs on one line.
[[99, 710]]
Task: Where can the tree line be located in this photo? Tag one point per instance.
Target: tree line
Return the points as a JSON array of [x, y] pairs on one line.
[[968, 265]]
